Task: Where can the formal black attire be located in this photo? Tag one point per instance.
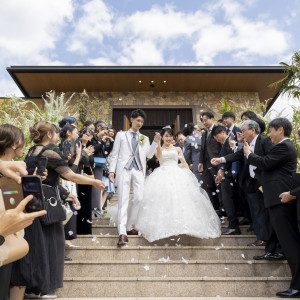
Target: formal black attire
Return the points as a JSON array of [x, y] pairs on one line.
[[41, 270], [228, 188], [259, 214], [210, 148], [278, 167]]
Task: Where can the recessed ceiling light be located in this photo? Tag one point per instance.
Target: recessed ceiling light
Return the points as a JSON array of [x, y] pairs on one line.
[[165, 81], [152, 81], [140, 81]]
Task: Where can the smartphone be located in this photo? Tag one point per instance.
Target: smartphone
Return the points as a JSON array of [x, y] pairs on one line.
[[42, 165], [232, 135], [32, 185], [12, 192]]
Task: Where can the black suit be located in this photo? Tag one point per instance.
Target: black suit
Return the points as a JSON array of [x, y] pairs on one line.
[[278, 167], [259, 214], [228, 188], [210, 148]]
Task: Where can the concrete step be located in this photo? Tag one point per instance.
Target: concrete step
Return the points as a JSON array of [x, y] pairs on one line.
[[172, 286], [154, 253], [176, 298], [112, 230], [111, 240], [177, 268]]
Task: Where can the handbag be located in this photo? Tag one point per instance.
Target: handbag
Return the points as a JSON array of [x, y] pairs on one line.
[[15, 246], [92, 176], [56, 211], [100, 161]]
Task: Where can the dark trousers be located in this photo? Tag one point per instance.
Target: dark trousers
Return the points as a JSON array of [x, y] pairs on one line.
[[96, 193], [228, 189], [284, 221], [85, 213], [5, 273], [209, 185], [260, 216]]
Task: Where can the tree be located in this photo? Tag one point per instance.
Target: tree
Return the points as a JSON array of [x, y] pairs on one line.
[[290, 84]]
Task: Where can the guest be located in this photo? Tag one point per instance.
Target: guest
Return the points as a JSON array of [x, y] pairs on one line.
[[90, 125], [228, 183], [277, 169], [68, 120], [197, 130], [261, 123], [220, 122], [210, 148], [41, 271], [192, 146], [102, 146], [112, 132], [180, 140], [248, 115]]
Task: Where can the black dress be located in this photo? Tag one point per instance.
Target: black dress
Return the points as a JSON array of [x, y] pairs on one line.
[[41, 270], [69, 147]]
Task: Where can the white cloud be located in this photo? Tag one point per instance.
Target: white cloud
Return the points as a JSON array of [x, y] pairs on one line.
[[93, 25]]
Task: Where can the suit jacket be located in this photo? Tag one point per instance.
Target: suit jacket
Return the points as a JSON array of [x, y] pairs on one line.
[[277, 169], [192, 146], [225, 150], [210, 148], [263, 146], [122, 152], [235, 130]]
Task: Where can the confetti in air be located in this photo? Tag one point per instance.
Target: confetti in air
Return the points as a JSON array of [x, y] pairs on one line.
[[184, 260], [132, 260], [249, 262], [88, 221], [147, 268], [243, 255], [164, 259], [70, 232]]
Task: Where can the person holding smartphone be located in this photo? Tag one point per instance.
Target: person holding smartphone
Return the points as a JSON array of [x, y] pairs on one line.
[[41, 271]]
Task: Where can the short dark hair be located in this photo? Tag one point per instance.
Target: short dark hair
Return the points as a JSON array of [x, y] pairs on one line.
[[138, 113], [284, 123], [228, 114], [261, 123], [67, 120], [188, 129], [250, 114], [220, 121], [209, 114], [178, 132], [65, 129], [218, 129]]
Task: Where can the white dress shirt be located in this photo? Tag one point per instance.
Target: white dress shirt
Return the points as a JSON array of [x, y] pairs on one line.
[[251, 167]]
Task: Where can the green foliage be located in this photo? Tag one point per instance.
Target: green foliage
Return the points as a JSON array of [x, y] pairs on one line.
[[94, 109], [290, 84], [24, 113], [227, 105]]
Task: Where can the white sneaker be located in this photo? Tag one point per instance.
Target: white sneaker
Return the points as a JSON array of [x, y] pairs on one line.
[[47, 296], [31, 296]]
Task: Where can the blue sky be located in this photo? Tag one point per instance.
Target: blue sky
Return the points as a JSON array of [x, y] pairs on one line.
[[136, 32]]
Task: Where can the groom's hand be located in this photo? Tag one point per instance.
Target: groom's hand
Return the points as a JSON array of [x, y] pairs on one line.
[[111, 177], [157, 137]]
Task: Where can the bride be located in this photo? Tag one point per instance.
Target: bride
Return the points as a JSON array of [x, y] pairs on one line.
[[173, 202]]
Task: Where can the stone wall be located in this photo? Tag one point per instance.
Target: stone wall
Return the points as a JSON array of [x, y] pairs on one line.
[[199, 101]]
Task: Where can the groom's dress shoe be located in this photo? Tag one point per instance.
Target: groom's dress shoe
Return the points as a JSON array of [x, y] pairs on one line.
[[232, 231], [132, 232], [270, 256], [123, 240], [257, 243], [290, 293]]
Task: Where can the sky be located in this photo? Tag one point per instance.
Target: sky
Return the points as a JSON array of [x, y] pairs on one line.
[[146, 32]]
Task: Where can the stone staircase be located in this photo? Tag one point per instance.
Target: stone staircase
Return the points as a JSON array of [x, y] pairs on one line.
[[175, 267]]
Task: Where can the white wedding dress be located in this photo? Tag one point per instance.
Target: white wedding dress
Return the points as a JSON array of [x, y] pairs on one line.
[[174, 204]]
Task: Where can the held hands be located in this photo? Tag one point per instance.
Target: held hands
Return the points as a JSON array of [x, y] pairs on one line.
[[99, 184], [220, 176], [200, 168], [216, 161], [111, 177], [13, 170], [247, 149], [14, 220], [286, 197], [157, 137]]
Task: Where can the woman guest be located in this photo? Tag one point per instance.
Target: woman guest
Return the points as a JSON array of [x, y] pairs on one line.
[[41, 271], [102, 145]]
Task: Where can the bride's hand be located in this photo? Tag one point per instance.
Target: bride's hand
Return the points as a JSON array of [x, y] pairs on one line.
[[157, 137]]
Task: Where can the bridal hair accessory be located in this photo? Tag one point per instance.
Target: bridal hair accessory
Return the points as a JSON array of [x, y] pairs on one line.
[[141, 139], [185, 125], [168, 126]]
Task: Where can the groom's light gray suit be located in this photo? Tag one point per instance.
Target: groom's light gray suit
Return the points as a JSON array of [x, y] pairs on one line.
[[129, 166]]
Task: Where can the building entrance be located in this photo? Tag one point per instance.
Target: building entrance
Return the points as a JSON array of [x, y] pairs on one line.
[[156, 119]]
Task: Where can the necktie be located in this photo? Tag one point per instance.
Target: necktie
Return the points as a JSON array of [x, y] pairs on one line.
[[208, 133], [134, 145], [134, 141]]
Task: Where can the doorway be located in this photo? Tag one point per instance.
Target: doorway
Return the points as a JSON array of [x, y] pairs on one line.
[[157, 118]]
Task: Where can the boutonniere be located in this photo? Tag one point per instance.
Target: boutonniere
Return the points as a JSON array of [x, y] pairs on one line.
[[141, 139]]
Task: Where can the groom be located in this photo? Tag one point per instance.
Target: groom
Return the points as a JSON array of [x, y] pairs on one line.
[[128, 163]]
